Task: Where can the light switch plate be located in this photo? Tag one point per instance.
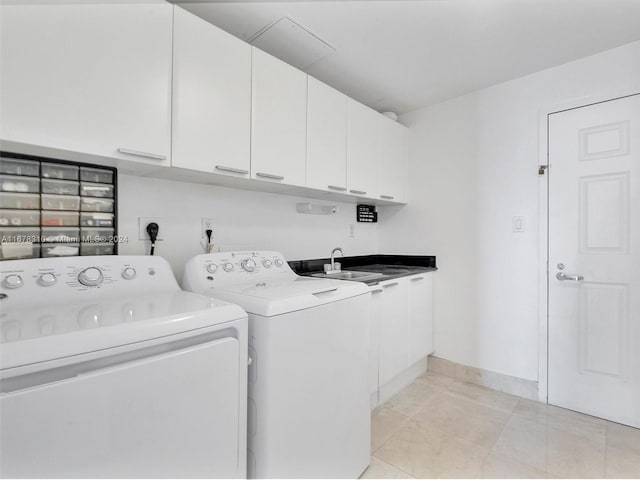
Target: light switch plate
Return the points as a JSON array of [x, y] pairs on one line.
[[518, 224]]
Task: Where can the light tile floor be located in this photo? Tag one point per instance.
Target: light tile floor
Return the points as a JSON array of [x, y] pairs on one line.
[[439, 427]]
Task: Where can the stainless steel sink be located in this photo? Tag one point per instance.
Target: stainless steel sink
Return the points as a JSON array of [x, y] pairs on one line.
[[349, 275]]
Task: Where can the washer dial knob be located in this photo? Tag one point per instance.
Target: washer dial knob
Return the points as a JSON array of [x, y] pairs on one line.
[[12, 281], [267, 263], [90, 277], [129, 273], [212, 268], [279, 262], [228, 267], [249, 265], [47, 279]]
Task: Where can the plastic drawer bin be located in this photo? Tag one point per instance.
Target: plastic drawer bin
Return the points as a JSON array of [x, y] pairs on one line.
[[59, 171], [15, 251], [60, 202], [97, 235], [96, 248], [96, 190], [15, 166], [19, 235], [59, 219], [94, 219], [17, 218], [10, 183], [23, 201], [59, 187], [94, 204], [60, 249], [96, 175], [60, 235]]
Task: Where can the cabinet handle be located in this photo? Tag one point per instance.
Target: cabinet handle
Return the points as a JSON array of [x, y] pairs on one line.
[[232, 170], [335, 187], [387, 197], [395, 284], [358, 192], [379, 290], [155, 156], [415, 279], [269, 175]]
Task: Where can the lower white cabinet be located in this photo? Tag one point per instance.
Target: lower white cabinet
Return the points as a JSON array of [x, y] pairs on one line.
[[420, 290], [401, 327], [394, 329]]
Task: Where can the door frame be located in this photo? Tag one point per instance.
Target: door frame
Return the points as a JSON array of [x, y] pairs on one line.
[[543, 227]]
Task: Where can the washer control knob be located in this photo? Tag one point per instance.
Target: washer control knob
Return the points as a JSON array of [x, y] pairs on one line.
[[267, 263], [90, 277], [212, 268], [228, 267], [12, 281], [129, 273], [249, 265], [279, 262], [47, 279]]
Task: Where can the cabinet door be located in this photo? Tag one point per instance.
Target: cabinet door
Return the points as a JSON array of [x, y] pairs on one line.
[[211, 98], [90, 78], [420, 316], [362, 150], [278, 121], [393, 160], [326, 137], [376, 304], [394, 330]]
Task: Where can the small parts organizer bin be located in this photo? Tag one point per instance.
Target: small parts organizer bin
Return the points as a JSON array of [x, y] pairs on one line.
[[52, 208]]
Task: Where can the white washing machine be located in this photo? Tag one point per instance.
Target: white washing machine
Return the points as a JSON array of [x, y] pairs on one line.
[[108, 369], [309, 414]]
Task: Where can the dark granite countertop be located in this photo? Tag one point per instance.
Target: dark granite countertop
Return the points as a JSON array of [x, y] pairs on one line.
[[390, 266]]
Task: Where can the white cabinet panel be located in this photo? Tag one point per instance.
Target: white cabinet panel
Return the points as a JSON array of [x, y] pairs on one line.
[[362, 150], [420, 316], [278, 121], [90, 78], [394, 162], [376, 303], [326, 137], [211, 98], [394, 329]]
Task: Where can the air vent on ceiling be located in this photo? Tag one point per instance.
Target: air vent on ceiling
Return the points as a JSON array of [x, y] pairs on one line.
[[292, 43]]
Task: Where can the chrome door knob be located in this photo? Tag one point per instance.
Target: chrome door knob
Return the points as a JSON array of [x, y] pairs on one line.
[[564, 277]]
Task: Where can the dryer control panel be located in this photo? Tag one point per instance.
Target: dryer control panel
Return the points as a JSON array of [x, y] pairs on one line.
[[51, 281], [229, 268]]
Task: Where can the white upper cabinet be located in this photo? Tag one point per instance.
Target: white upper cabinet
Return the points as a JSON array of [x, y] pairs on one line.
[[326, 137], [211, 98], [278, 121], [420, 316], [394, 161], [362, 150], [89, 78]]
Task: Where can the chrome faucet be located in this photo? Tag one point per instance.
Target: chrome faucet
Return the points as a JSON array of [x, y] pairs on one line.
[[334, 267]]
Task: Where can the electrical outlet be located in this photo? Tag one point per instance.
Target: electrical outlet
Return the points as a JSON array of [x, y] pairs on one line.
[[142, 227], [207, 224]]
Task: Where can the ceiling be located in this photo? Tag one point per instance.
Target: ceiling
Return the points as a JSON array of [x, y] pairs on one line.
[[401, 55]]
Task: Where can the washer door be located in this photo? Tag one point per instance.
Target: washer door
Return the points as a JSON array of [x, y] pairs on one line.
[[172, 414]]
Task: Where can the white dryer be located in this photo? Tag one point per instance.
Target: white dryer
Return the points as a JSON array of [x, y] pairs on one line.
[[309, 414], [108, 369]]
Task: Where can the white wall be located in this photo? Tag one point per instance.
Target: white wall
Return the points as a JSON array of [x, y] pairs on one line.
[[473, 164], [243, 220]]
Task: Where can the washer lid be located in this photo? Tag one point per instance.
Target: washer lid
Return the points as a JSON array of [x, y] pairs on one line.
[[34, 335], [283, 296]]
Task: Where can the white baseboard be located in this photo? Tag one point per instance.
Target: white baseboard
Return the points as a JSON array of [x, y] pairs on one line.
[[496, 381]]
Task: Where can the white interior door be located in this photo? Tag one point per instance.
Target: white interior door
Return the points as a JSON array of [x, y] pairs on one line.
[[594, 263]]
